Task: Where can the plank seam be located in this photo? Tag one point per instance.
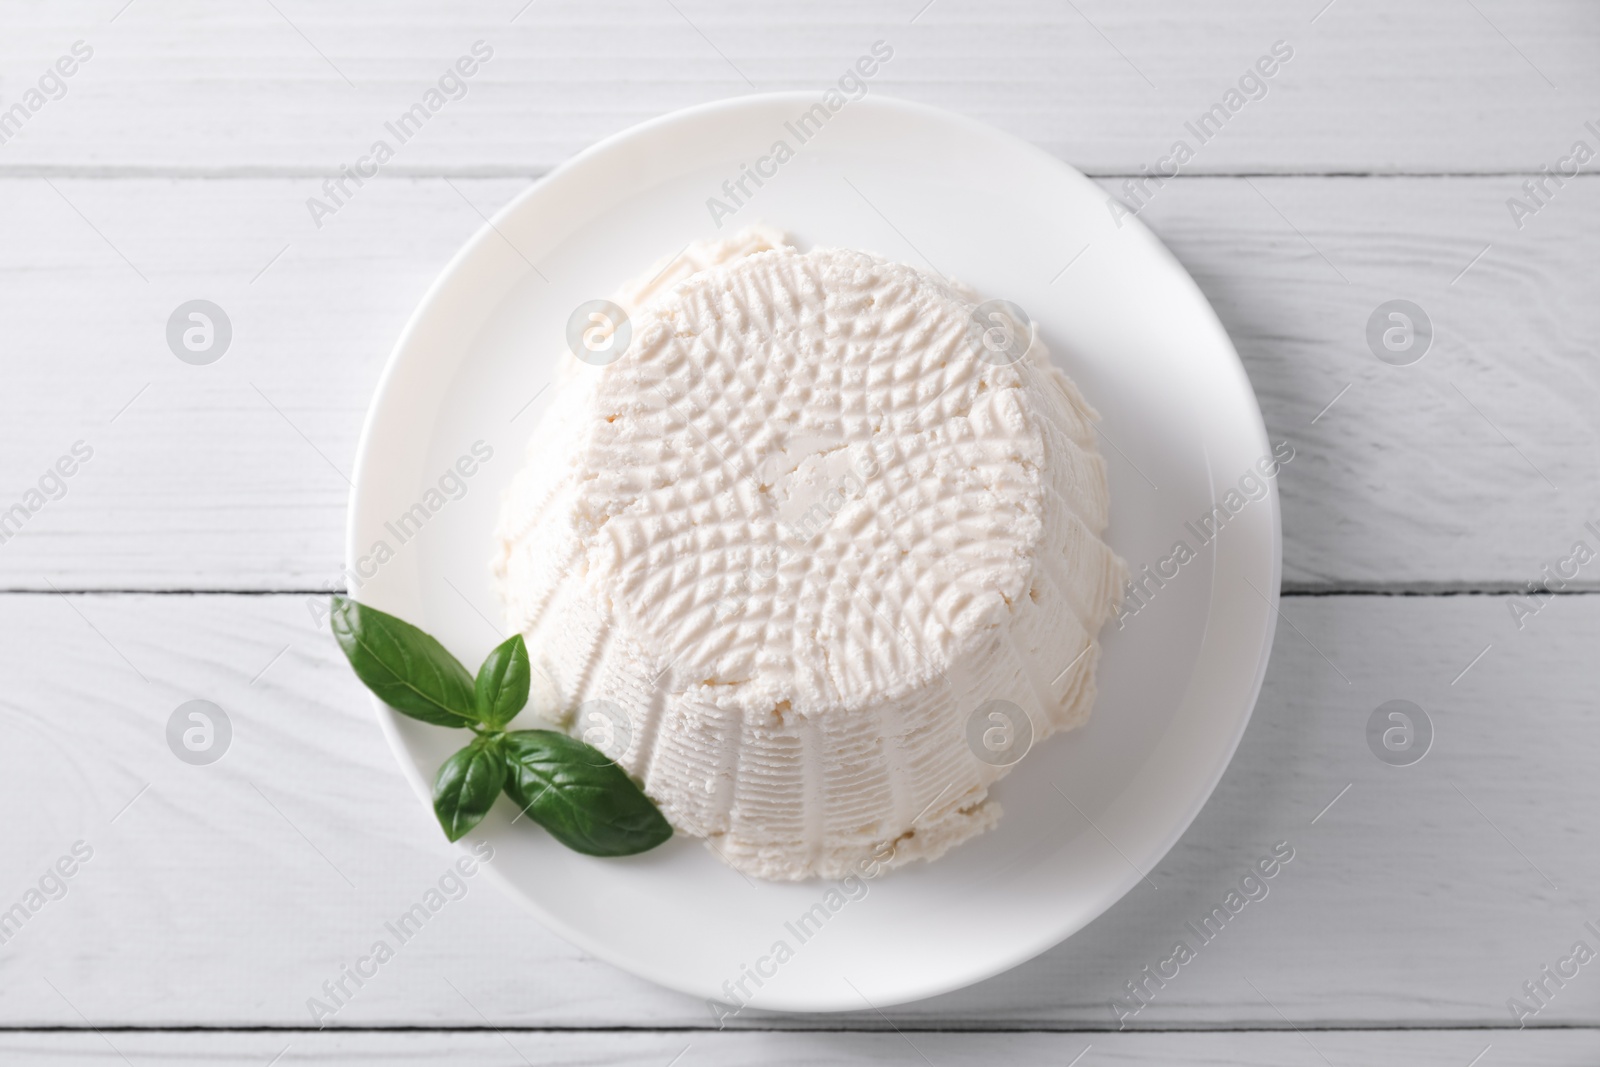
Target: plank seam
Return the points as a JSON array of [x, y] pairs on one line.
[[271, 171], [1425, 589], [902, 1024]]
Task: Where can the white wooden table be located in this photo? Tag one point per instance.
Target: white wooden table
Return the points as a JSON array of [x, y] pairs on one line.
[[179, 559]]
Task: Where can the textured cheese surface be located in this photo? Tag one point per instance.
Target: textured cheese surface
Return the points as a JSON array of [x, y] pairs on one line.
[[782, 550]]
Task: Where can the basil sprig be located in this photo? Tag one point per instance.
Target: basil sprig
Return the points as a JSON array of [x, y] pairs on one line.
[[572, 789]]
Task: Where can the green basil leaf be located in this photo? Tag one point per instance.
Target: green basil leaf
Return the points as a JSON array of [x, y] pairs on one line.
[[586, 801], [404, 667], [467, 784], [502, 684]]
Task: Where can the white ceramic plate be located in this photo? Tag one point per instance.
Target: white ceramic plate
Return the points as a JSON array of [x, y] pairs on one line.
[[1180, 428]]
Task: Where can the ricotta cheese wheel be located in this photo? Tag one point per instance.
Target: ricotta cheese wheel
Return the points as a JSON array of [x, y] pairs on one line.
[[795, 556]]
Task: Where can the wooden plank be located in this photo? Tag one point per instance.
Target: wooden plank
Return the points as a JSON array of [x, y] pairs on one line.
[[298, 86], [1398, 467], [232, 476], [225, 895], [1402, 1048]]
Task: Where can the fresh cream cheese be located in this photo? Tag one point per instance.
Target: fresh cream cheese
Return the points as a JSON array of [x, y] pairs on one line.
[[788, 545]]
